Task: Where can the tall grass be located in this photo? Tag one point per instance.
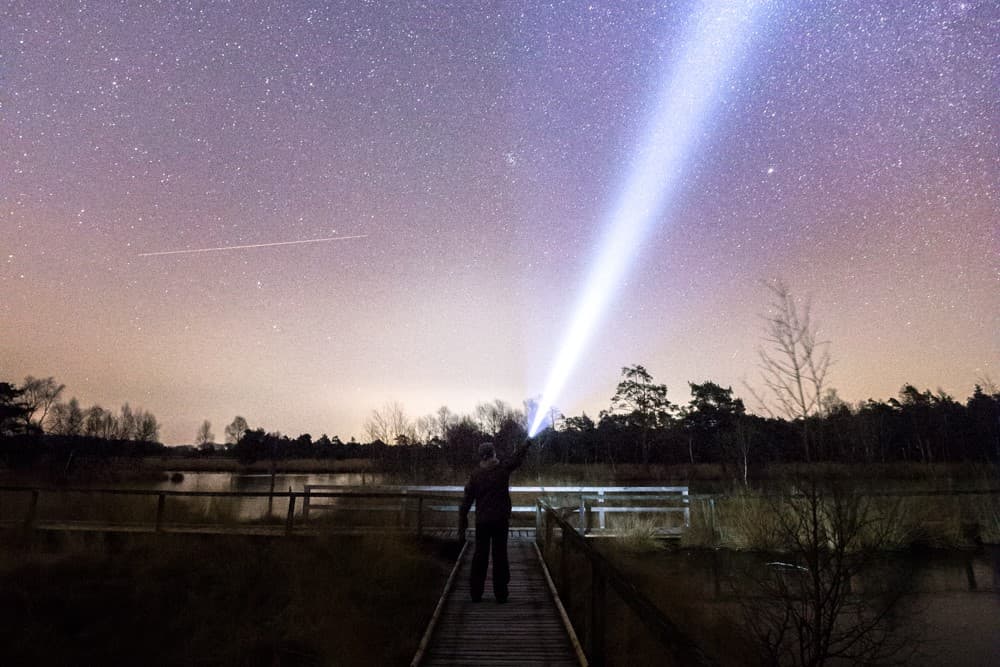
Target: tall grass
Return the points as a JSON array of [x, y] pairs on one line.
[[172, 600]]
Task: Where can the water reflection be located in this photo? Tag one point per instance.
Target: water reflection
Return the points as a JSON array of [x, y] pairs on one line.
[[223, 510], [949, 613]]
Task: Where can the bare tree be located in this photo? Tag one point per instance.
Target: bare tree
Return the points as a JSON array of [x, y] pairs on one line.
[[236, 430], [390, 425], [204, 437], [794, 362], [426, 428], [67, 418], [127, 424], [147, 429], [38, 396], [810, 610], [494, 414], [445, 420]]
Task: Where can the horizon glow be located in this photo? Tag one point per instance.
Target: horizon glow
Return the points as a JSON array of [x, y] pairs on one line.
[[717, 37]]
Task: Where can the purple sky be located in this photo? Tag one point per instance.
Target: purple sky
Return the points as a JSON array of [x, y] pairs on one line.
[[477, 147]]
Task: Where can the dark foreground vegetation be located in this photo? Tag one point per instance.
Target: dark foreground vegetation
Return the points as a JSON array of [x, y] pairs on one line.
[[214, 600]]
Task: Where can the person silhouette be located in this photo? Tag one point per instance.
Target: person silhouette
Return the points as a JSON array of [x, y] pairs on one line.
[[489, 490]]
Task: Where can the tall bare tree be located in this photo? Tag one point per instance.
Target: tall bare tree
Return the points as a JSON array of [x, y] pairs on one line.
[[794, 361], [204, 437]]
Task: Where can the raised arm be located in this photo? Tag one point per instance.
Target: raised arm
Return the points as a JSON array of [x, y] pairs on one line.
[[517, 458]]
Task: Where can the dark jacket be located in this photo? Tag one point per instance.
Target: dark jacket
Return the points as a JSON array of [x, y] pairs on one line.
[[489, 489]]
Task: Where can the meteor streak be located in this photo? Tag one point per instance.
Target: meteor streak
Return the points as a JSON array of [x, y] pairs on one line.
[[715, 40], [253, 245]]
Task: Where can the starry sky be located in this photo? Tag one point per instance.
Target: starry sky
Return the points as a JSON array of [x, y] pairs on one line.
[[476, 147]]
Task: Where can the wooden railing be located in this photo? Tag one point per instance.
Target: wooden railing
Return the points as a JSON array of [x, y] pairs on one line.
[[416, 508], [592, 624], [592, 504]]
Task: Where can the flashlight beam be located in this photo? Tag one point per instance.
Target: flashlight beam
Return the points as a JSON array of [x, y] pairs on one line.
[[714, 41], [253, 245]]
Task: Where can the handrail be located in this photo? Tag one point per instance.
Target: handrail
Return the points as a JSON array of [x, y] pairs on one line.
[[425, 641], [158, 525], [663, 629]]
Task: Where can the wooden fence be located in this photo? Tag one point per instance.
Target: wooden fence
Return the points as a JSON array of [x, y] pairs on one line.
[[592, 625]]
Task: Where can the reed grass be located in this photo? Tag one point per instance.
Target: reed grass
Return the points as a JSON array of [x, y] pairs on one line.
[[172, 600]]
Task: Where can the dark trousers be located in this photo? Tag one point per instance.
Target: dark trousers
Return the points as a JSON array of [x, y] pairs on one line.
[[491, 534]]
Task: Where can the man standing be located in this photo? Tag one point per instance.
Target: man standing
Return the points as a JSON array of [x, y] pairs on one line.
[[489, 490]]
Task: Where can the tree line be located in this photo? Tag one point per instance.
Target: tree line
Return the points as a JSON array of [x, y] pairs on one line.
[[35, 423], [802, 419], [640, 425]]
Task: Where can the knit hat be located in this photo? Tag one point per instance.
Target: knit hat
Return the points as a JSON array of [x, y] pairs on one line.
[[487, 451]]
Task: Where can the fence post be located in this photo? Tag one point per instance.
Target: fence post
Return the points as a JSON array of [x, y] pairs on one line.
[[583, 516], [305, 505], [270, 493], [538, 523], [598, 600], [564, 576], [420, 516], [29, 520], [290, 519], [161, 502], [601, 517]]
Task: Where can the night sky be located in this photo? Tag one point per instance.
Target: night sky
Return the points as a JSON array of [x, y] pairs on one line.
[[476, 149]]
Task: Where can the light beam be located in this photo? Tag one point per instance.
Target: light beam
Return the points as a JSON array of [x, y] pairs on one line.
[[253, 245], [715, 41]]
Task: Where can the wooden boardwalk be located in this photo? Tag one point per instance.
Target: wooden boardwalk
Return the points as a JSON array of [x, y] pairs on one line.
[[527, 630]]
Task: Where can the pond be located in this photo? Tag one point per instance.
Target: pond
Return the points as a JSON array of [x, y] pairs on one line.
[[949, 610]]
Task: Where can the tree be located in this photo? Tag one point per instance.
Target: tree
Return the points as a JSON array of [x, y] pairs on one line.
[[642, 403], [67, 418], [13, 412], [795, 362], [38, 396], [147, 429], [805, 611], [445, 420], [493, 415], [390, 424], [127, 424], [711, 413], [93, 421], [236, 430], [205, 438]]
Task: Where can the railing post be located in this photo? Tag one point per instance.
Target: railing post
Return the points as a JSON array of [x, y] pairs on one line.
[[564, 577], [29, 520], [161, 503], [420, 516], [583, 516], [601, 518], [548, 528], [290, 519], [270, 493], [598, 602], [305, 505], [538, 523]]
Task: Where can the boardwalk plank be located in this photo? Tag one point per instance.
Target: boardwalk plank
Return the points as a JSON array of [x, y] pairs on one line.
[[526, 630]]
